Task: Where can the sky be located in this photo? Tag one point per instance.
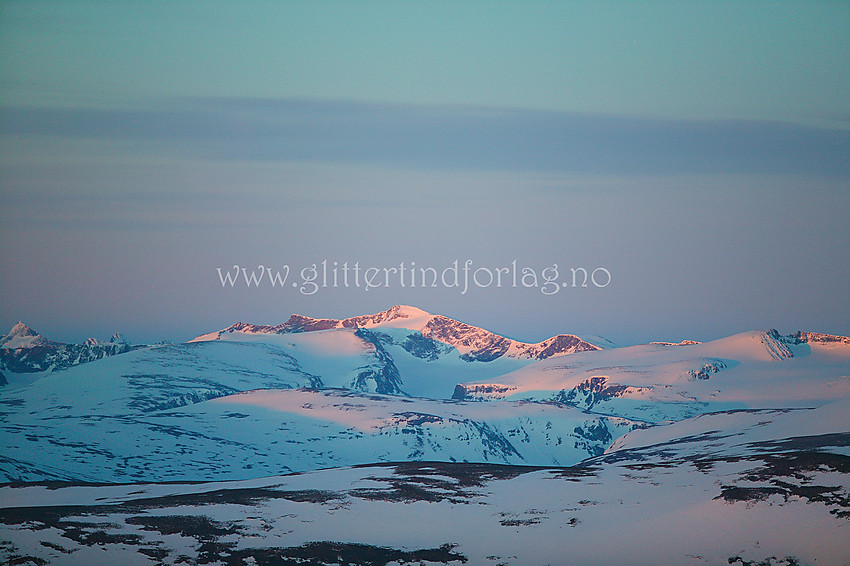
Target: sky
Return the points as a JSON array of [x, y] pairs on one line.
[[692, 155]]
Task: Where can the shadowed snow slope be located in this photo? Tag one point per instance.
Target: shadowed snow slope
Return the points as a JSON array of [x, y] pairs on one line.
[[731, 488], [267, 432]]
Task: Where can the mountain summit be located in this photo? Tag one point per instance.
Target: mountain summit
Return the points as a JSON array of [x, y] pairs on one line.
[[23, 350], [474, 343], [22, 336]]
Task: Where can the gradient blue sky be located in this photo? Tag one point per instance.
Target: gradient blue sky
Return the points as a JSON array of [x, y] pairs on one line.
[[696, 150]]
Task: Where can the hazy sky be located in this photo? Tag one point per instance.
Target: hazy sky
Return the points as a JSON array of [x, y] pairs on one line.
[[696, 151]]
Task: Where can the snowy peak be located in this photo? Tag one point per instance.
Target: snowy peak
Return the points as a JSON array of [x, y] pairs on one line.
[[801, 337], [247, 328], [21, 329], [299, 323], [477, 344], [117, 338], [776, 345], [400, 316], [22, 336], [560, 344], [403, 316], [682, 343], [24, 351], [473, 343], [785, 346]]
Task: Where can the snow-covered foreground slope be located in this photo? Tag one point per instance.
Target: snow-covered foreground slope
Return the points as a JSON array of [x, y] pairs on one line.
[[739, 431], [765, 487], [666, 382]]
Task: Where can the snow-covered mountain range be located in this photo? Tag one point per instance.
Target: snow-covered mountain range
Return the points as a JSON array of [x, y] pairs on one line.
[[428, 335], [669, 382], [23, 351], [291, 398], [408, 414]]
